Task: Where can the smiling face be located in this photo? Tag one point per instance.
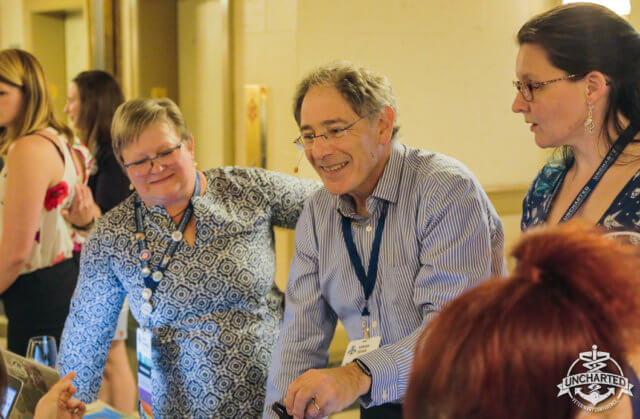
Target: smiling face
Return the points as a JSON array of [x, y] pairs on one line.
[[168, 182], [558, 110], [353, 163], [10, 104], [72, 107]]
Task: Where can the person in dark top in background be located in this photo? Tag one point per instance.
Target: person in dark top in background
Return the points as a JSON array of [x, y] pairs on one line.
[[92, 99]]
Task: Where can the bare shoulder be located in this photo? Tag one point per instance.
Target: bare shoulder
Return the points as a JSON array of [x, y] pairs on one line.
[[35, 153]]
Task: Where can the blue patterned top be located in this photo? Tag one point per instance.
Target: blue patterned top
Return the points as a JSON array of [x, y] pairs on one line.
[[622, 214], [217, 312]]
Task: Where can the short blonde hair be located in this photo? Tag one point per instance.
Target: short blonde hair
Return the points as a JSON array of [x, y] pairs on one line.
[[366, 92], [134, 116], [21, 69]]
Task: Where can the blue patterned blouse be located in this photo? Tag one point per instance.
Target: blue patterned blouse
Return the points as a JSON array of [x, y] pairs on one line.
[[623, 213], [217, 312]]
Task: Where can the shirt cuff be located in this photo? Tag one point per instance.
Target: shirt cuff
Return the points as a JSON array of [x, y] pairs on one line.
[[384, 378]]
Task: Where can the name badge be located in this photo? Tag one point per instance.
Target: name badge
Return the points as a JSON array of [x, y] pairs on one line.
[[360, 347], [145, 367]]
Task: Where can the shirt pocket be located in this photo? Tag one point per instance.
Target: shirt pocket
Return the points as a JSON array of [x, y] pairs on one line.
[[396, 300]]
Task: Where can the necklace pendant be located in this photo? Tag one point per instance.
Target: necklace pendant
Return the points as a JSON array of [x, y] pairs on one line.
[[157, 276], [140, 236], [165, 260], [147, 293], [145, 272], [176, 236], [145, 255]]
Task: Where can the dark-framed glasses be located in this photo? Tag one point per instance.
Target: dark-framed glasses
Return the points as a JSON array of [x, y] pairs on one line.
[[307, 139], [164, 157], [526, 88]]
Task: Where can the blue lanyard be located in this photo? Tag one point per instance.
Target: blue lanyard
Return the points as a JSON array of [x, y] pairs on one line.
[[151, 280], [368, 280], [608, 161]]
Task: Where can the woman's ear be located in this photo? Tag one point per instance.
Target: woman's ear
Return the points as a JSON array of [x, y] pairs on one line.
[[597, 87]]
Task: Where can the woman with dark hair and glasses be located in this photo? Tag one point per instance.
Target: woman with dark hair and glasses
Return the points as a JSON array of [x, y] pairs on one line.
[[578, 71], [92, 99], [505, 348]]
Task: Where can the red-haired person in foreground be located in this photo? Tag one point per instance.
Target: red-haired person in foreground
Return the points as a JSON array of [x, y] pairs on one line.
[[501, 349]]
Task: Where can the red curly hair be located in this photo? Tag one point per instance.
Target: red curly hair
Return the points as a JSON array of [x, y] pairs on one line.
[[500, 349]]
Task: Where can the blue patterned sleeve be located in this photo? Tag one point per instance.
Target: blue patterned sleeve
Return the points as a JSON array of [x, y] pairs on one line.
[[284, 194], [309, 321], [461, 239], [93, 315]]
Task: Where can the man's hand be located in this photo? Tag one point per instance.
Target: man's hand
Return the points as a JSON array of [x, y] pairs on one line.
[[319, 393], [58, 402]]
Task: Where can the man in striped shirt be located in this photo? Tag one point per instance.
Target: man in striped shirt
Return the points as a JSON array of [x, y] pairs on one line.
[[395, 234]]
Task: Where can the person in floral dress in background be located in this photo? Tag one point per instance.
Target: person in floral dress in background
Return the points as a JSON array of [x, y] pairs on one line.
[[43, 172]]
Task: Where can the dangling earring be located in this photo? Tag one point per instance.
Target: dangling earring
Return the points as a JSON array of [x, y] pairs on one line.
[[131, 186], [588, 124], [195, 163]]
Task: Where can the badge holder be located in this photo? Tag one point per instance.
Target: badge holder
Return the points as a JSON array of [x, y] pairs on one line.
[[145, 366]]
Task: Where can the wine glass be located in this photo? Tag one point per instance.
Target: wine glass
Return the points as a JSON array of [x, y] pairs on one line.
[[625, 237], [42, 349]]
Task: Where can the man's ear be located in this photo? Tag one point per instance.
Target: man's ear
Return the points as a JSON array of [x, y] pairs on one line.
[[190, 145], [386, 118]]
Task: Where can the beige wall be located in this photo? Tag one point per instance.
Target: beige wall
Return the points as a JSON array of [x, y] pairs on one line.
[[11, 24], [75, 38]]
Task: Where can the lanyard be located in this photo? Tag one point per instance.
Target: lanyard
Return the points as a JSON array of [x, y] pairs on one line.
[[152, 279], [608, 161], [368, 280]]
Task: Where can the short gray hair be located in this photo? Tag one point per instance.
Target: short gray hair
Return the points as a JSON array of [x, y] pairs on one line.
[[366, 92], [134, 116]]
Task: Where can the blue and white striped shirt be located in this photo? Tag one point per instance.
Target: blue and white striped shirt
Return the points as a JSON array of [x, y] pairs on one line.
[[441, 237]]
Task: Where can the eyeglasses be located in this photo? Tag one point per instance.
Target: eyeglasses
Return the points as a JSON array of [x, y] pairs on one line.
[[164, 158], [527, 87], [305, 141]]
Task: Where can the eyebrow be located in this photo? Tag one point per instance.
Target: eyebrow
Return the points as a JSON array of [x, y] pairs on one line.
[[325, 123]]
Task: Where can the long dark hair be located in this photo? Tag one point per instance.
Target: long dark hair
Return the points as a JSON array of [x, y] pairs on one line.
[[500, 349], [582, 37], [100, 96]]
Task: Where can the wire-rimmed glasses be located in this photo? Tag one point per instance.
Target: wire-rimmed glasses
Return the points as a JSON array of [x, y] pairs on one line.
[[306, 140]]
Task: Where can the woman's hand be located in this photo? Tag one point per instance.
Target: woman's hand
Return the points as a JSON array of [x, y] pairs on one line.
[[58, 402], [83, 210]]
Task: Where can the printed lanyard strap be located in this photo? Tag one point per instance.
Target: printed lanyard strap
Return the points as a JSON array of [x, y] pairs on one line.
[[608, 161], [171, 249], [368, 280]]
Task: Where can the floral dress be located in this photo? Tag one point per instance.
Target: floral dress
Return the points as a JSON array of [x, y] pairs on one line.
[[37, 302], [216, 311], [622, 215]]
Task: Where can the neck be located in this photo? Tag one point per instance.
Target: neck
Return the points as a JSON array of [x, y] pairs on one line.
[[365, 190], [588, 155], [176, 208]]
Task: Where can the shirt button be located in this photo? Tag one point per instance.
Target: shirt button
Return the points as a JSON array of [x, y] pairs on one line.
[[374, 324], [385, 396], [368, 229]]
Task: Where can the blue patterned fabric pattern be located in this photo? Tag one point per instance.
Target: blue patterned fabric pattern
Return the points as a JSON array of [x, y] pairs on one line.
[[622, 215], [441, 237], [216, 313]]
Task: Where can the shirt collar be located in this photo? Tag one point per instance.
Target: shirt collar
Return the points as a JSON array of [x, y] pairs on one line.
[[387, 188]]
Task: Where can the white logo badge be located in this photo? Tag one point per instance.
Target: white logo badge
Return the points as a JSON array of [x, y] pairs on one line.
[[592, 387]]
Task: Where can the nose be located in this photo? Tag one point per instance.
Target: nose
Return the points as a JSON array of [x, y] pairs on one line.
[[519, 105], [156, 166], [321, 147]]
